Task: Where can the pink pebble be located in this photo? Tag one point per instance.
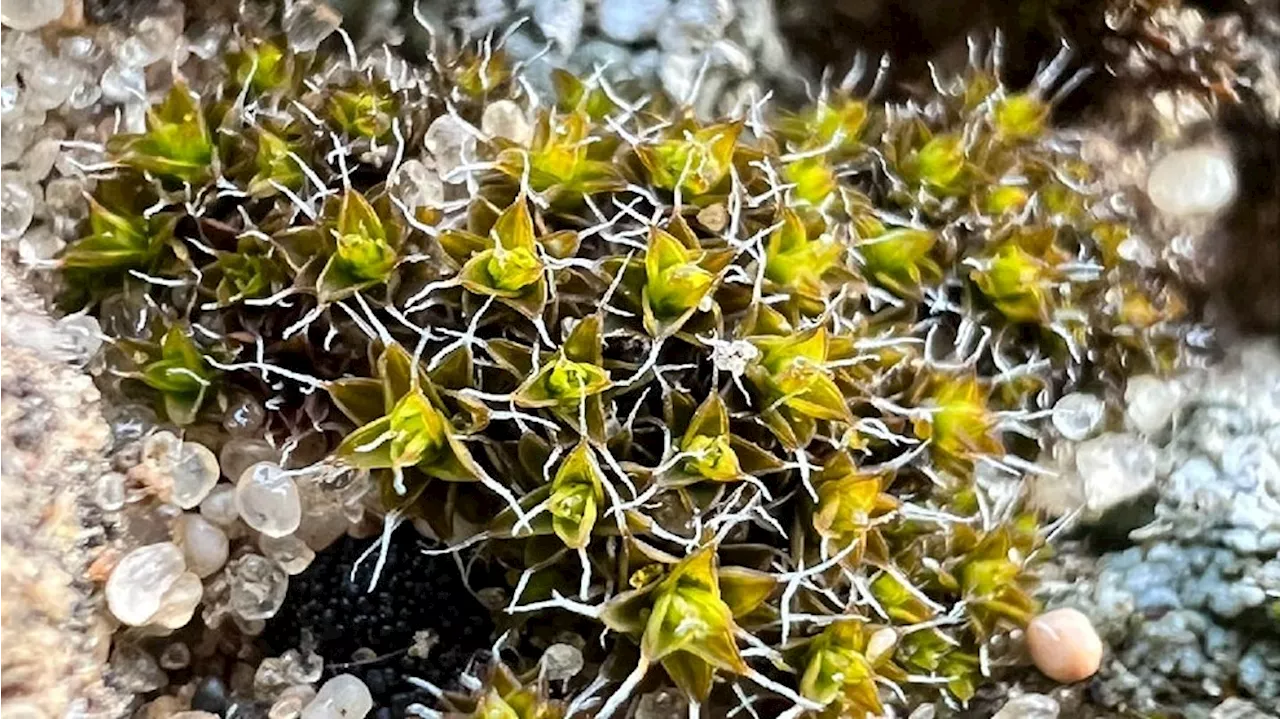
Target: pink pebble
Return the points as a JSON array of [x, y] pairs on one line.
[[1064, 645]]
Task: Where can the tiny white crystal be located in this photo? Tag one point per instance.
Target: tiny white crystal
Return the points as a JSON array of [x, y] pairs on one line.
[[83, 336], [30, 14], [1078, 415], [195, 472], [291, 553], [452, 145], [308, 23], [268, 500], [109, 494], [417, 186], [203, 543], [138, 583], [1194, 181], [17, 204], [123, 84], [179, 603], [1114, 468], [504, 118], [1151, 402], [258, 586], [342, 697]]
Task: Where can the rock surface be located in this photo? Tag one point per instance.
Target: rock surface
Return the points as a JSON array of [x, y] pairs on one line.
[[53, 439]]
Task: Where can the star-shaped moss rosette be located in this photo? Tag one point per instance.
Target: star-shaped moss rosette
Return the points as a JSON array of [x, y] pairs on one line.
[[176, 371], [675, 280], [988, 570], [937, 164], [956, 421], [796, 388], [570, 382], [684, 619], [177, 146], [852, 507], [504, 694], [574, 95], [842, 667], [507, 263], [121, 237], [265, 66], [404, 424], [692, 159], [483, 73], [710, 452], [253, 270], [806, 261], [898, 259], [268, 157], [364, 110], [569, 506], [353, 246], [834, 123], [1020, 275], [564, 160]]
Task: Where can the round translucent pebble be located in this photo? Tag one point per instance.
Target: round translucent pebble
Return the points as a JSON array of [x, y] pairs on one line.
[[308, 23], [342, 697], [1078, 415], [195, 472], [1064, 645], [291, 553], [240, 453], [258, 586], [291, 701], [30, 14], [109, 492], [220, 506], [179, 603], [244, 416], [504, 118], [203, 543], [83, 336], [138, 583], [1114, 469], [1193, 181], [1151, 402], [17, 204], [268, 500], [123, 84], [39, 245], [161, 448]]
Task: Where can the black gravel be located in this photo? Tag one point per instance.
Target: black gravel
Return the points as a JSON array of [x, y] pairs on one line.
[[415, 592]]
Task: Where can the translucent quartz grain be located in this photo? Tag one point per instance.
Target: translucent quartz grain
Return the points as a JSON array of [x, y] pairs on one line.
[[138, 583], [1193, 181], [203, 543], [268, 500], [195, 472], [342, 697]]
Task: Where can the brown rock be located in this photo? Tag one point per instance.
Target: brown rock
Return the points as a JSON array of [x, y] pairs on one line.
[[1064, 645]]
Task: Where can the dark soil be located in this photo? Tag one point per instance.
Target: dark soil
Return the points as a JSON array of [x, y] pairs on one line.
[[416, 592]]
